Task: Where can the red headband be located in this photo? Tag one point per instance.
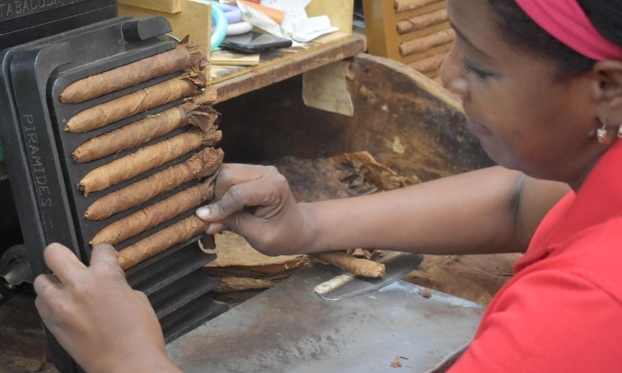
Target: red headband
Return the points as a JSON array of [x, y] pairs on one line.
[[566, 21]]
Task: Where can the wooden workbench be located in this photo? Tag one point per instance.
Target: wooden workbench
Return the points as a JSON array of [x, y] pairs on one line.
[[227, 82]]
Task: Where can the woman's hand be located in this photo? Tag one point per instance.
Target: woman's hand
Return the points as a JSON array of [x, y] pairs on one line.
[[95, 315], [256, 203]]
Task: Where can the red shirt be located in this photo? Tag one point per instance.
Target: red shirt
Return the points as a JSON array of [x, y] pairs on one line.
[[562, 310]]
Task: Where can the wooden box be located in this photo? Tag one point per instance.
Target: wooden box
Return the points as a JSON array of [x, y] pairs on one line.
[[187, 17], [414, 32], [340, 12]]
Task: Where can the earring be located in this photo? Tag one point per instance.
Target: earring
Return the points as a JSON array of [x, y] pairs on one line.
[[602, 134], [620, 132]]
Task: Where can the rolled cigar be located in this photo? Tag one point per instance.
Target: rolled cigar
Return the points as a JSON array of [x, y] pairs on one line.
[[422, 21], [126, 106], [145, 130], [208, 96], [155, 214], [355, 266], [202, 164], [185, 56], [406, 5], [159, 242], [146, 159], [424, 43]]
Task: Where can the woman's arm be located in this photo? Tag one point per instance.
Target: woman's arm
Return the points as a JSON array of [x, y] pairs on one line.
[[491, 210], [484, 211]]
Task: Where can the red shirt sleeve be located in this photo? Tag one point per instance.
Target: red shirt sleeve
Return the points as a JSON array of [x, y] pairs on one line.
[[548, 321]]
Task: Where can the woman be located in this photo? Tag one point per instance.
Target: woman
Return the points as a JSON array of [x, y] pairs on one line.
[[542, 88]]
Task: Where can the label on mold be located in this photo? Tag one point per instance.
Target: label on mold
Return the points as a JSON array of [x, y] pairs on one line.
[[11, 9], [37, 160]]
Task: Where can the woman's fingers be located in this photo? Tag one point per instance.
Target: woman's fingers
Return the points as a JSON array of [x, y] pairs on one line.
[[256, 203], [104, 255], [267, 190], [243, 223], [47, 288], [63, 263], [104, 252], [215, 228], [44, 284], [233, 174], [95, 314]]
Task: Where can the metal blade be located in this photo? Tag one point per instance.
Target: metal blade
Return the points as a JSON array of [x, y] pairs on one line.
[[347, 286], [14, 266]]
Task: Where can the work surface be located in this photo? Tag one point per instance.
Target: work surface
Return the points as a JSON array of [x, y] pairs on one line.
[[290, 329], [227, 82]]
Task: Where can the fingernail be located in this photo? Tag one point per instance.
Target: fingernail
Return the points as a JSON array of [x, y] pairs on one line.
[[203, 212]]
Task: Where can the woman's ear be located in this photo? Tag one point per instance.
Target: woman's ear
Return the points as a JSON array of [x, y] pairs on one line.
[[607, 91]]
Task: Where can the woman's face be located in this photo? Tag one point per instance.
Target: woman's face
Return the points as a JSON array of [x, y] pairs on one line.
[[524, 118]]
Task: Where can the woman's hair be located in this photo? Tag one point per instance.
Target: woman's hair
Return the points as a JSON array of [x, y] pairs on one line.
[[522, 32]]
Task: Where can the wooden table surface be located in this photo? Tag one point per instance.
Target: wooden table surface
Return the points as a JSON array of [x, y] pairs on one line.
[[227, 82]]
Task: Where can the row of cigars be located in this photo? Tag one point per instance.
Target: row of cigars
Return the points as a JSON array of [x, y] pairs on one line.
[[414, 32], [199, 170]]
